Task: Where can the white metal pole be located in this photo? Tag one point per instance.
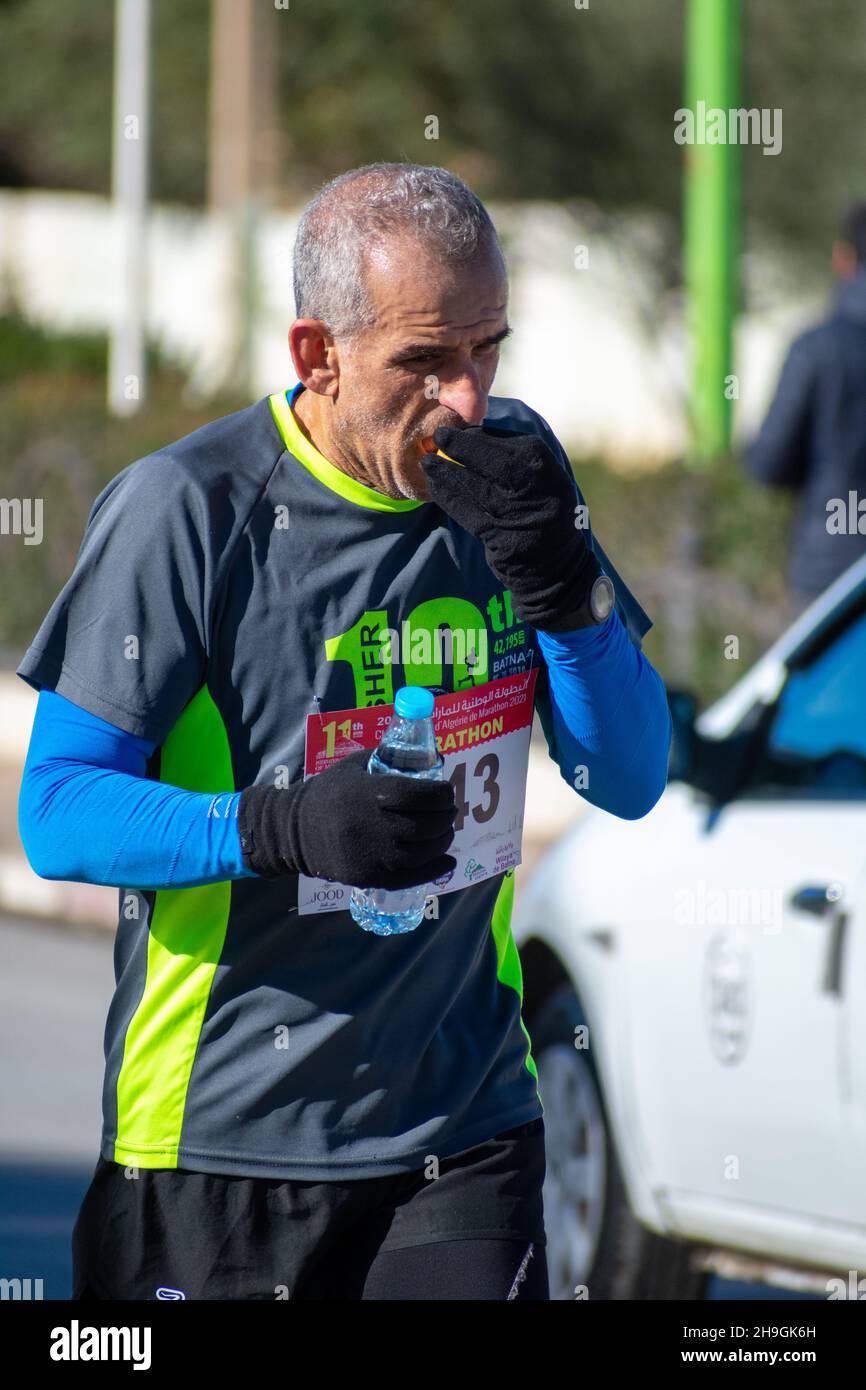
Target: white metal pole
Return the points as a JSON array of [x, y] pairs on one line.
[[127, 368]]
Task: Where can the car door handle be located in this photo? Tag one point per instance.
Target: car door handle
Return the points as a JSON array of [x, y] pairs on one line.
[[823, 900], [819, 899]]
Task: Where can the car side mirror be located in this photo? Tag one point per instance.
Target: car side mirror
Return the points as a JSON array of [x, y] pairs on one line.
[[716, 767], [684, 711]]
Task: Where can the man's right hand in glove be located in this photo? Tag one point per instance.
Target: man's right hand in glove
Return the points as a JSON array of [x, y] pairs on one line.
[[344, 824]]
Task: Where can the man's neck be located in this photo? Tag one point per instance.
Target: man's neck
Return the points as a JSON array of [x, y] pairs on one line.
[[310, 415], [300, 410]]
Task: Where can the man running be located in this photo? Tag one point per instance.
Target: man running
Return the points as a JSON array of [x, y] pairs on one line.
[[293, 1107]]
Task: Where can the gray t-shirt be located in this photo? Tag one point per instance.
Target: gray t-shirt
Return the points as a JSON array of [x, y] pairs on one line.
[[226, 587]]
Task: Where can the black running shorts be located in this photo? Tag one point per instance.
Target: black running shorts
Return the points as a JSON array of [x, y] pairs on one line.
[[476, 1230]]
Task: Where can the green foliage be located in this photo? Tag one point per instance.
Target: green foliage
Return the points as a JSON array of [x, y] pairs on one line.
[[529, 97], [734, 576], [55, 100], [26, 348], [807, 61], [534, 100], [57, 443]]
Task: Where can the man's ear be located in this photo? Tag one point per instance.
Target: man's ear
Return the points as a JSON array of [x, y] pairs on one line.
[[315, 356]]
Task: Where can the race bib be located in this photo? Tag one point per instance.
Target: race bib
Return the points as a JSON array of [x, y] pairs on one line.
[[483, 734]]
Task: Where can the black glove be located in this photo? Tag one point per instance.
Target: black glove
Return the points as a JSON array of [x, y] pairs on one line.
[[514, 496], [351, 826]]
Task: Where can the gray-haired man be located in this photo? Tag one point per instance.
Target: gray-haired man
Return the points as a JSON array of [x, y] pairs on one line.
[[292, 1106]]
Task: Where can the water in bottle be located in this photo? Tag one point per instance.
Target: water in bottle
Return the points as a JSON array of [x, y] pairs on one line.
[[408, 749]]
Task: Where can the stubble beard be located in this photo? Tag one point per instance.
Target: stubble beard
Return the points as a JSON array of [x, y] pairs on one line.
[[370, 427]]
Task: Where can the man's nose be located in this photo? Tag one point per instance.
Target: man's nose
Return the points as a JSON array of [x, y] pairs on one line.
[[465, 395]]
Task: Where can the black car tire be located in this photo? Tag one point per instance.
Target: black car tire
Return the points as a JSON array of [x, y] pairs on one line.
[[623, 1260]]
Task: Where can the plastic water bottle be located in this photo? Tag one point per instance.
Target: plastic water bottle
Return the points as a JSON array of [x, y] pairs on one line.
[[408, 749]]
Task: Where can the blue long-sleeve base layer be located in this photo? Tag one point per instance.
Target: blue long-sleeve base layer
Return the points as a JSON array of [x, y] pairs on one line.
[[611, 720], [87, 812]]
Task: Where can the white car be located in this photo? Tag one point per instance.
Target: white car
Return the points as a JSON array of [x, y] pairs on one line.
[[695, 992]]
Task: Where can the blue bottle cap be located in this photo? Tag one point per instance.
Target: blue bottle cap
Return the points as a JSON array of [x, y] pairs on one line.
[[413, 702]]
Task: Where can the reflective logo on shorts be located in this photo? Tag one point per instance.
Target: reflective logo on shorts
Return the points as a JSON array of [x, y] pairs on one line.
[[519, 1277], [170, 1293]]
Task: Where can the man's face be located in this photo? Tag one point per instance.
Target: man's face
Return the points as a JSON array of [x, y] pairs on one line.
[[430, 360]]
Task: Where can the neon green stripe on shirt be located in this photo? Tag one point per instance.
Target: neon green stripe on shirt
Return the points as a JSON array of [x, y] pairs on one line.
[[185, 942], [509, 970], [327, 473]]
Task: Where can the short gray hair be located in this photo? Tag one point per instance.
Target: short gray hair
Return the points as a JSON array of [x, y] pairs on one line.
[[361, 208]]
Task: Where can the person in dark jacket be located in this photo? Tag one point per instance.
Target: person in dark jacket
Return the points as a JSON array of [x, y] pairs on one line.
[[813, 439]]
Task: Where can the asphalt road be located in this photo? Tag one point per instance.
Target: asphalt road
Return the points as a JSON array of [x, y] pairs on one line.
[[56, 983]]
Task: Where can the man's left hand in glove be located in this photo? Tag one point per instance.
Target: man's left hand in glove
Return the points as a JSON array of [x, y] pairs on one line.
[[514, 497]]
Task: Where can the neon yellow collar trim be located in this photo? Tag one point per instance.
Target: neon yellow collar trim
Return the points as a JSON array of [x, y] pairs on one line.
[[306, 453]]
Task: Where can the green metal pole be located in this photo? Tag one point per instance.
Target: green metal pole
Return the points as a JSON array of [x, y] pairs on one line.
[[711, 187]]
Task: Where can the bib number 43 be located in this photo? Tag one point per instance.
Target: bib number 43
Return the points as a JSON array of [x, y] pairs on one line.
[[487, 770]]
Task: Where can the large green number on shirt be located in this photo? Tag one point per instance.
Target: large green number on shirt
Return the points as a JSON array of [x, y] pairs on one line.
[[362, 647], [456, 615]]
